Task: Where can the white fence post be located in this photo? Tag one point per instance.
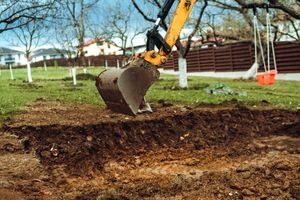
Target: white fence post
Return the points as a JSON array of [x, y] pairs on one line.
[[11, 72], [106, 64]]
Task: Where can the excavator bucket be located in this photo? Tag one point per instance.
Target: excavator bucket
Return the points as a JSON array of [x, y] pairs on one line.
[[123, 89]]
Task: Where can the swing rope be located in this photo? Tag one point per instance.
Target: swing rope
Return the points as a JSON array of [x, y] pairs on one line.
[[257, 35], [268, 77], [270, 39]]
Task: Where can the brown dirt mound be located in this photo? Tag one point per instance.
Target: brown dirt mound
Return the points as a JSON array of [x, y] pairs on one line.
[[66, 136], [176, 152]]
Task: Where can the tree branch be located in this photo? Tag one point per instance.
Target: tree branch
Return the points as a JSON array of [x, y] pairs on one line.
[[197, 25], [141, 12]]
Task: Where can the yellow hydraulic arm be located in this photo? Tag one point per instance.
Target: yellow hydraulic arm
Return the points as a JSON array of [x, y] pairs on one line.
[[123, 90], [180, 16]]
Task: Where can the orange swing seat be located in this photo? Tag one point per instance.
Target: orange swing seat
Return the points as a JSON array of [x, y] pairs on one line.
[[267, 78]]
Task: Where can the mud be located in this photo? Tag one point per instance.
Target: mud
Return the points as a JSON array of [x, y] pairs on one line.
[[207, 152]]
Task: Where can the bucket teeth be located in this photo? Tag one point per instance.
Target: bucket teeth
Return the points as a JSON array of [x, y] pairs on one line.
[[124, 89]]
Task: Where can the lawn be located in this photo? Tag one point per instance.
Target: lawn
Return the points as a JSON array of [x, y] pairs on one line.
[[55, 84]]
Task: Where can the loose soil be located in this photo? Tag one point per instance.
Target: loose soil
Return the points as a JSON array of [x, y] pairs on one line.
[[54, 150]]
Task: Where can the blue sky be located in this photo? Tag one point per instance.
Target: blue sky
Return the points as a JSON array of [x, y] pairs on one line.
[[99, 15], [8, 38]]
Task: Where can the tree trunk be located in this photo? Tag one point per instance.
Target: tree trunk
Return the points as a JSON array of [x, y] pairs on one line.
[[106, 64], [251, 72], [182, 64], [118, 64], [11, 72], [29, 78], [74, 75], [45, 65]]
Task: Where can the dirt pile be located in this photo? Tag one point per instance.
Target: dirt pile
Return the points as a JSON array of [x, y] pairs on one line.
[[176, 152], [91, 145]]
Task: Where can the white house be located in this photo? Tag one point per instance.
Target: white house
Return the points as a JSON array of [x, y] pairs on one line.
[[48, 54], [10, 56], [135, 49], [99, 46]]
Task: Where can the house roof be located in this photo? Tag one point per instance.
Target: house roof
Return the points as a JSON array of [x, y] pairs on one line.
[[4, 50], [94, 40], [49, 51], [136, 47]]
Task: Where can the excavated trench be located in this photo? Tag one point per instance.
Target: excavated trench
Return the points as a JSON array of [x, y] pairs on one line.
[[194, 129], [204, 151]]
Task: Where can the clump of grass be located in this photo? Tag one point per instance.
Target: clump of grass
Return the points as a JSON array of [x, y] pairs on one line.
[[26, 85], [82, 77], [192, 87]]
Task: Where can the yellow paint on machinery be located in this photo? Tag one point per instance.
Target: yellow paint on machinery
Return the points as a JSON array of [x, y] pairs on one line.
[[123, 89]]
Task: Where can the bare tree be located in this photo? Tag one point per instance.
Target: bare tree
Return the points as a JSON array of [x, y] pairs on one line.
[[285, 14], [29, 36], [74, 15], [16, 13], [292, 8], [71, 29], [120, 27], [64, 43]]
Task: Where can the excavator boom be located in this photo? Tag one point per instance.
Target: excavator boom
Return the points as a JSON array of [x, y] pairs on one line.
[[123, 90]]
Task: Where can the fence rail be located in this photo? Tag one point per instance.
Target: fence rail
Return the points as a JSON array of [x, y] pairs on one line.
[[102, 60], [237, 57], [227, 58]]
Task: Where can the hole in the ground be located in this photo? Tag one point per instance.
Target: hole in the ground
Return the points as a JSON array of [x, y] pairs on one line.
[[92, 145]]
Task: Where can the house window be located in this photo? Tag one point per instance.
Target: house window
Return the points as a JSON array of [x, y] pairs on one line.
[[44, 57], [19, 55], [108, 45], [100, 43]]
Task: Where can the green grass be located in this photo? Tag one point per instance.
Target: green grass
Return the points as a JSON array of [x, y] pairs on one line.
[[52, 85], [285, 94], [48, 85]]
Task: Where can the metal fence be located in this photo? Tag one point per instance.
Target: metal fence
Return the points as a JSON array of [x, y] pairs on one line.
[[237, 57]]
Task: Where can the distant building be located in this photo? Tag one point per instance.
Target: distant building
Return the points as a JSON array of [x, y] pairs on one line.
[[135, 49], [99, 46], [48, 54], [10, 56]]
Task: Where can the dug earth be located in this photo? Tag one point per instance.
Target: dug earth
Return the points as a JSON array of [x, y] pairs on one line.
[[55, 150]]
